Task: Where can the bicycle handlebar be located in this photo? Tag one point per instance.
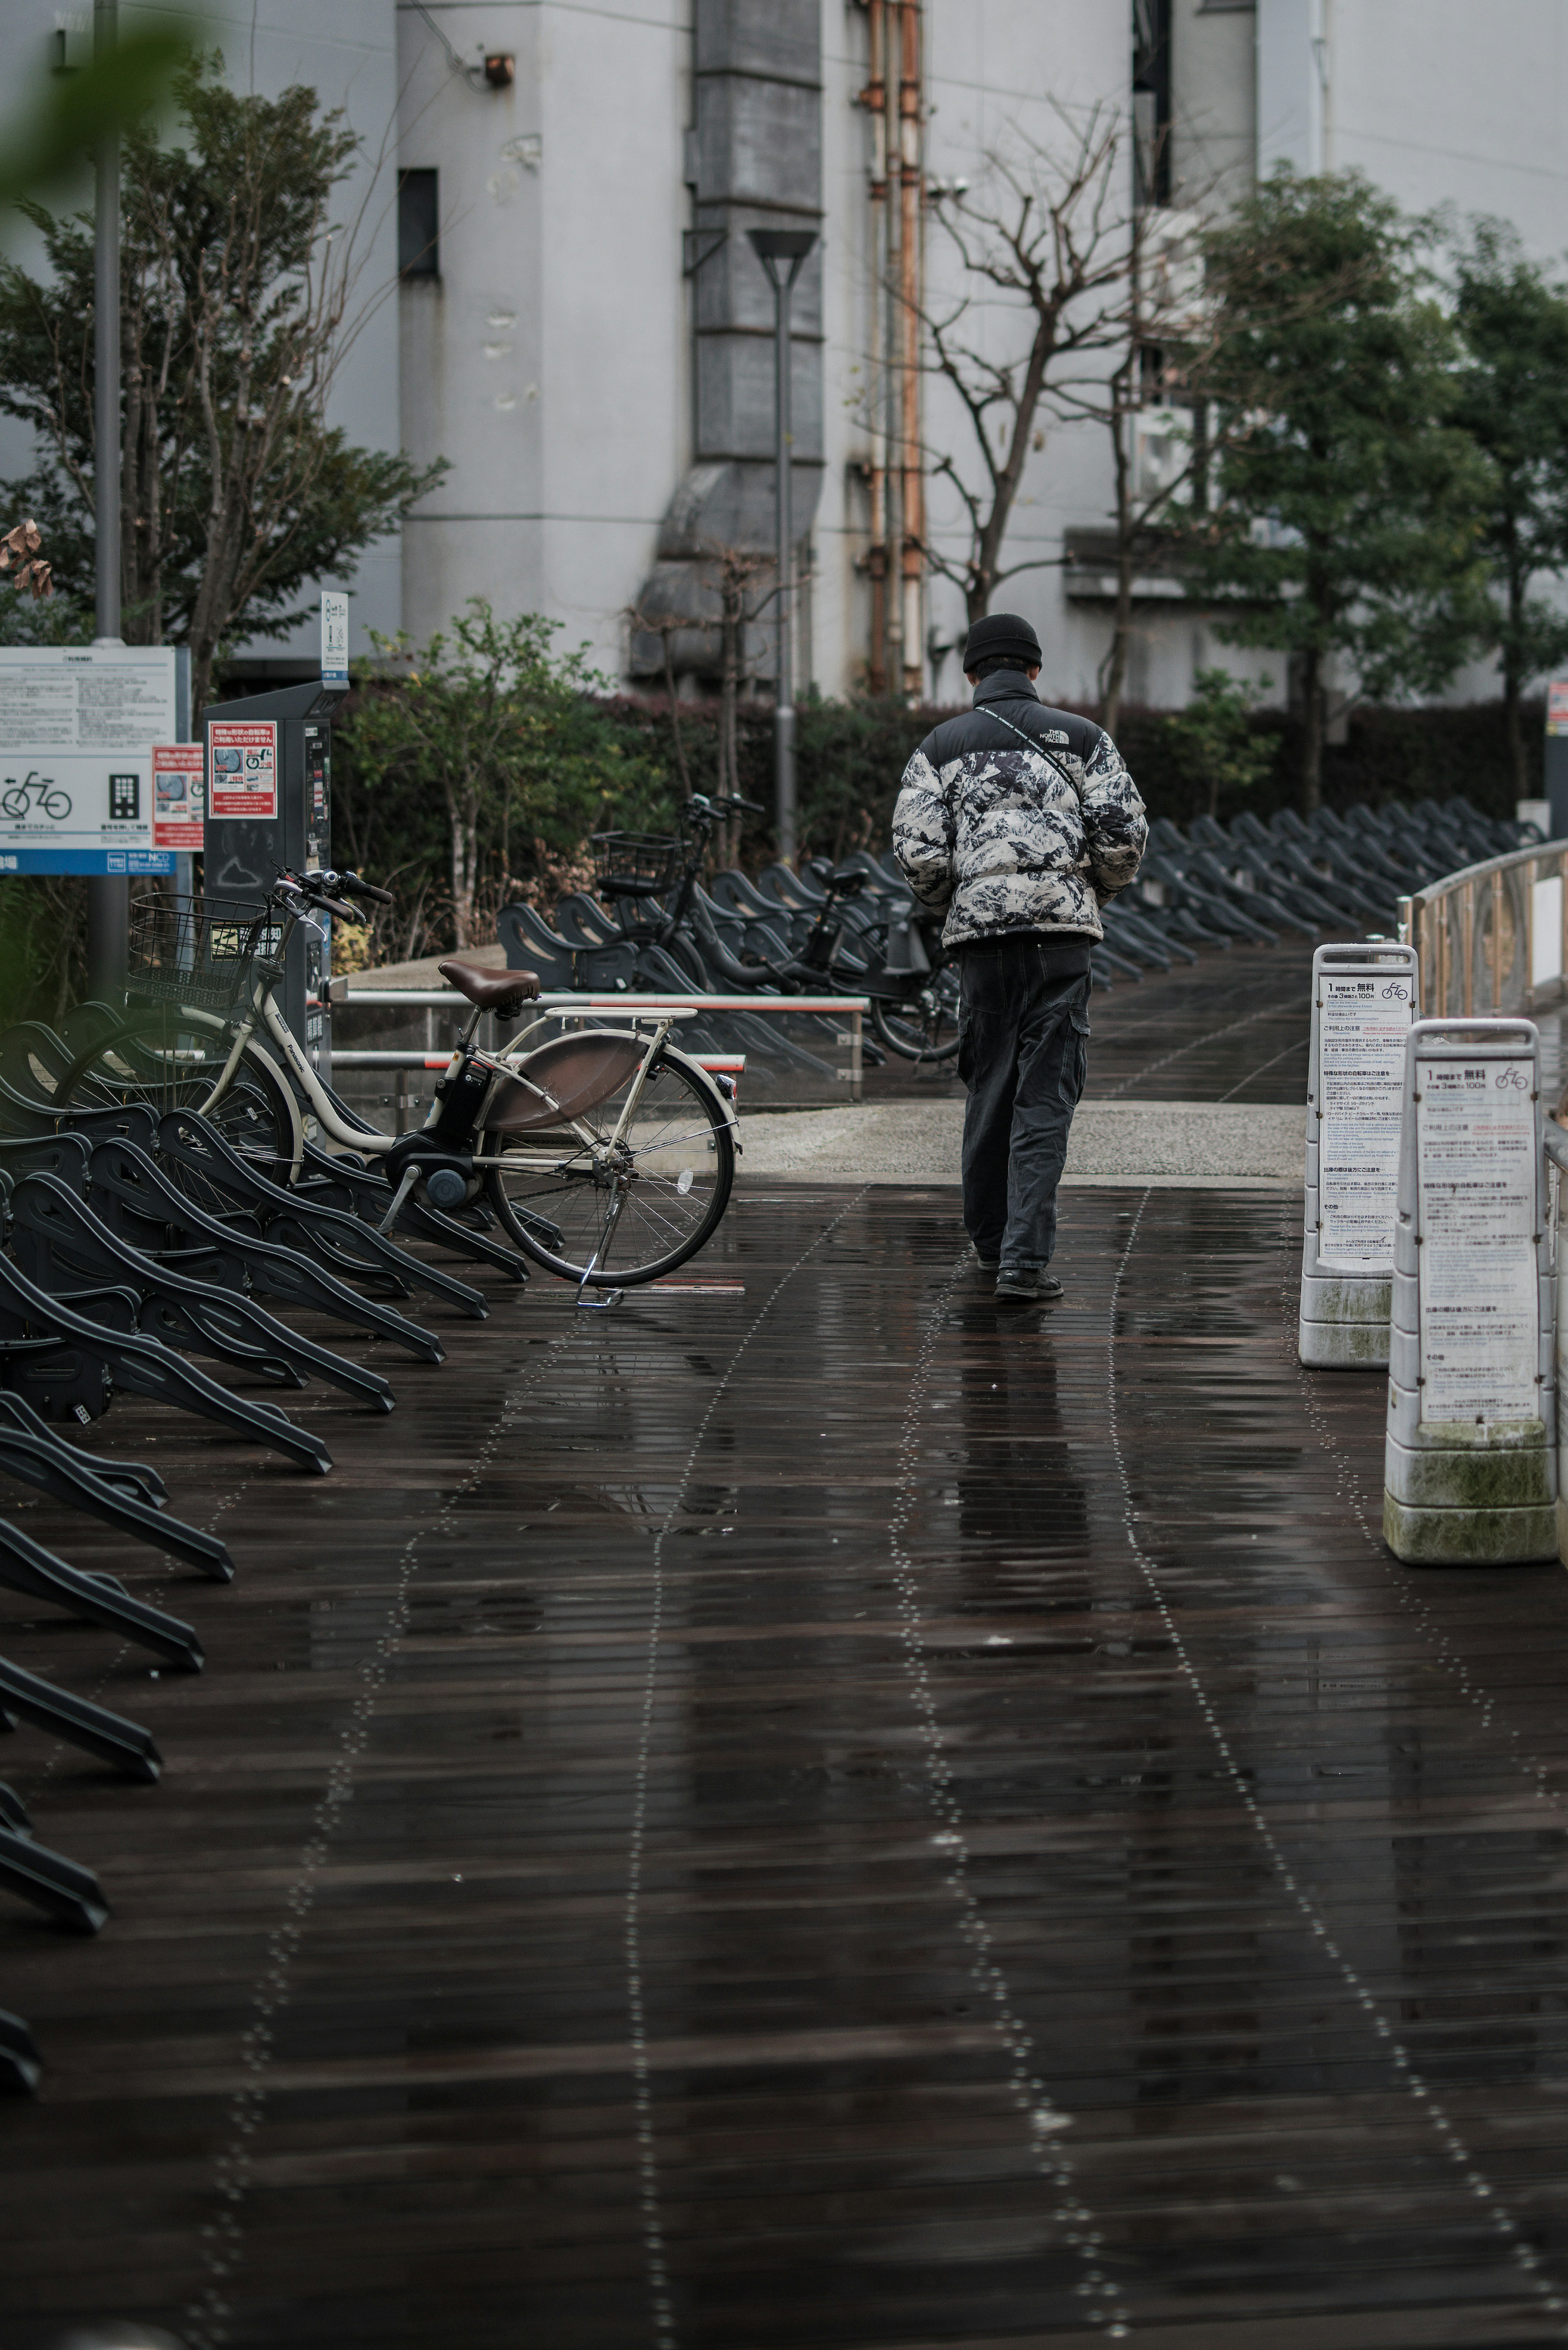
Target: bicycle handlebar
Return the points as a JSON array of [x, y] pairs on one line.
[[352, 886], [715, 804]]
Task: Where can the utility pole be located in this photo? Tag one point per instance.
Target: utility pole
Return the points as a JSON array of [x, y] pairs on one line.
[[783, 253], [107, 894]]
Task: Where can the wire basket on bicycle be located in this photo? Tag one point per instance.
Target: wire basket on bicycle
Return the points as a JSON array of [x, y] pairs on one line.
[[635, 864], [196, 951]]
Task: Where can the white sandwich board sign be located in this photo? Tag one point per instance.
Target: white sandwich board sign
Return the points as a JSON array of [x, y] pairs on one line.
[[1471, 1462], [1364, 999]]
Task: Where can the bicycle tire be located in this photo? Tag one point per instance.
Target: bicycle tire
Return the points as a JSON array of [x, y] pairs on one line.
[[917, 1039], [146, 1059], [574, 1201]]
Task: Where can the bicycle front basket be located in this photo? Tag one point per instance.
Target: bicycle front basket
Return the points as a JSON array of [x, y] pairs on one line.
[[196, 951], [635, 864]]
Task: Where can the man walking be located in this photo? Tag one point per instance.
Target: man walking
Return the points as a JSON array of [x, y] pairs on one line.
[[1020, 822]]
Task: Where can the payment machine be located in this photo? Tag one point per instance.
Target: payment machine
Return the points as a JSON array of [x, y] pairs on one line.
[[269, 809]]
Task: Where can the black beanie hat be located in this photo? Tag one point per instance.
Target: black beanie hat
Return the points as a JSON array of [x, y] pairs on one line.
[[1007, 633]]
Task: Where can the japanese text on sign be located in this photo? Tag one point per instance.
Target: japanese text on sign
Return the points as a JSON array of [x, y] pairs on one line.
[[243, 756], [1479, 1294], [1363, 1024], [179, 795], [77, 727]]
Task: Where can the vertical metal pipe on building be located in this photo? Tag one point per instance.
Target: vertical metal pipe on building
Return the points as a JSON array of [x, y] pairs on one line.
[[874, 98], [108, 905], [892, 344], [783, 709], [911, 291]]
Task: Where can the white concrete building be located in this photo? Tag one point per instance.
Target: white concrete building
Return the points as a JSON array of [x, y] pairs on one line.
[[581, 329]]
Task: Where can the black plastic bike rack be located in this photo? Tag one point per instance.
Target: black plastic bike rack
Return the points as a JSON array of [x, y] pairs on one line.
[[131, 1480], [372, 1196], [62, 1382], [70, 1476], [64, 1891], [190, 1145], [59, 1240], [143, 1367], [133, 1197], [64, 1155], [27, 1567], [21, 2065], [124, 1746]]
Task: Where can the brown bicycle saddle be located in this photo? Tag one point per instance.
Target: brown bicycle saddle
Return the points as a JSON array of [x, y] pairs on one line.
[[489, 991]]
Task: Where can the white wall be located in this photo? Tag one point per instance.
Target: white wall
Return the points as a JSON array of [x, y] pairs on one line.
[[551, 362]]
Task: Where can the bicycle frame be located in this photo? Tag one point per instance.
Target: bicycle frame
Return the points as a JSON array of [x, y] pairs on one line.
[[262, 1014]]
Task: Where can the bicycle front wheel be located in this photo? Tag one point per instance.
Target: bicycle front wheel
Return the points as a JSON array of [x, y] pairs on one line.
[[618, 1214], [170, 1057]]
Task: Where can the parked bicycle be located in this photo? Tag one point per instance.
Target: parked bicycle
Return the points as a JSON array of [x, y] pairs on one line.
[[607, 1156], [893, 953]]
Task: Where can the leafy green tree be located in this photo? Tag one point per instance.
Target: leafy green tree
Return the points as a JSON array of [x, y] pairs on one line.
[[487, 741], [1211, 744], [237, 303], [1344, 514], [1512, 400]]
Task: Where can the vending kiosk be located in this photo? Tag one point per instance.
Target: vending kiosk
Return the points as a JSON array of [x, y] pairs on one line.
[[269, 810]]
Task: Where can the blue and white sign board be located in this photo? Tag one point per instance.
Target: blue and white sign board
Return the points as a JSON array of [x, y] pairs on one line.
[[334, 638], [77, 723]]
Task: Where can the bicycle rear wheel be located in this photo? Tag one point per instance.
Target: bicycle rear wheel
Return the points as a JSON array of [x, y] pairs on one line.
[[631, 1213], [926, 1028], [170, 1057]]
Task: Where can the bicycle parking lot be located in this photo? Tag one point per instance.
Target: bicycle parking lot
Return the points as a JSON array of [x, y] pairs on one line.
[[794, 1812]]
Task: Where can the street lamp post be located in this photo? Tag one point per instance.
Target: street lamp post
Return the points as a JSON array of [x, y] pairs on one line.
[[107, 895], [783, 253]]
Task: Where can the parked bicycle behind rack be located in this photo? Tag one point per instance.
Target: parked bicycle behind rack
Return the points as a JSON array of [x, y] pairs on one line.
[[607, 1154], [892, 954]]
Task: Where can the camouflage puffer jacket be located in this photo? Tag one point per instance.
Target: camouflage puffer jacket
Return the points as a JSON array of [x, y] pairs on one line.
[[1015, 817]]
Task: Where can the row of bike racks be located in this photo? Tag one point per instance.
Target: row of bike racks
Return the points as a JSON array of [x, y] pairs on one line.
[[1208, 885], [137, 1250]]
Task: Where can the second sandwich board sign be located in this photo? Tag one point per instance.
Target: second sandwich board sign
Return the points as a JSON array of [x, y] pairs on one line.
[[1480, 1286]]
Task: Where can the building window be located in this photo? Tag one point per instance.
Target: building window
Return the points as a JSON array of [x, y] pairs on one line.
[[419, 239]]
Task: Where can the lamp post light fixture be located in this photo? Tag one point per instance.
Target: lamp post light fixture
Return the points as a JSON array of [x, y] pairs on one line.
[[783, 253]]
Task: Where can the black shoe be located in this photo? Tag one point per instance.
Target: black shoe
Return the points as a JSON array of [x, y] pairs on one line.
[[1026, 1287], [988, 1264]]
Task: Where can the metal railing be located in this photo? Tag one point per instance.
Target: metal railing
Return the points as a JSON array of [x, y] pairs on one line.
[[1491, 938]]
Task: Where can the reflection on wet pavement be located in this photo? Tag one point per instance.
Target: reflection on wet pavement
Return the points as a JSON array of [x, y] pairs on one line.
[[820, 1813]]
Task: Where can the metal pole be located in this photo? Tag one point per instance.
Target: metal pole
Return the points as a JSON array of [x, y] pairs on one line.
[[784, 714], [107, 894]]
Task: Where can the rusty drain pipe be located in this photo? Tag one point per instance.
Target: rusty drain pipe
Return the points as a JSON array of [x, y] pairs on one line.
[[912, 486], [874, 98]]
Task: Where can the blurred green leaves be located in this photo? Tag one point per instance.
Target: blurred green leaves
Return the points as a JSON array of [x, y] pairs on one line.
[[58, 128]]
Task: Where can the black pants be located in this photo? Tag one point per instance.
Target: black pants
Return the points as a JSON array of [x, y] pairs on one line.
[[1025, 1026]]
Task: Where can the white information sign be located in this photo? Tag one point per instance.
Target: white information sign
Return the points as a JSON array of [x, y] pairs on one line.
[[77, 725], [334, 638], [1362, 1027], [1475, 1139]]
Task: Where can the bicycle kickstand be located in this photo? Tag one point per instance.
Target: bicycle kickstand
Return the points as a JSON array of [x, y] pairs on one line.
[[600, 1305], [389, 1222]]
